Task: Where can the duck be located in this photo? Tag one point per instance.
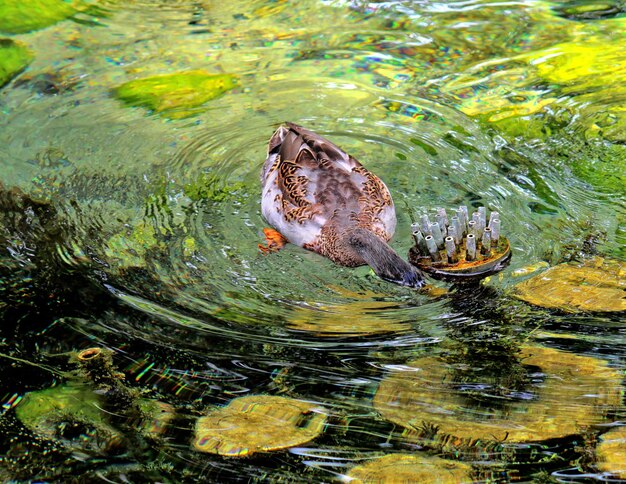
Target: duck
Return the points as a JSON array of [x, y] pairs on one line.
[[320, 198]]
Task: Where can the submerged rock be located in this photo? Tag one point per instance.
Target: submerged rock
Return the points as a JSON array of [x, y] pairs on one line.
[[411, 468], [19, 16], [593, 285], [14, 57], [564, 393], [611, 452], [258, 423], [175, 96]]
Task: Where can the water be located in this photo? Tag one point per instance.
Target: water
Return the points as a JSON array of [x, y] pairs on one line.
[[152, 247]]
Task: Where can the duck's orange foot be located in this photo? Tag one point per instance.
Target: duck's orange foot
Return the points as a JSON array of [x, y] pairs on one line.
[[275, 241]]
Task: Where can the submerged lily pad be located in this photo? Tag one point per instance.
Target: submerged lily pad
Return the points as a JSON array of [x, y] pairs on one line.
[[594, 285], [177, 95], [574, 391], [611, 452], [19, 16], [258, 423], [14, 57], [411, 468], [72, 414]]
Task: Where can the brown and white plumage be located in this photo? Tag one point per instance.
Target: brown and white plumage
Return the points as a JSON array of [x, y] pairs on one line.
[[320, 198]]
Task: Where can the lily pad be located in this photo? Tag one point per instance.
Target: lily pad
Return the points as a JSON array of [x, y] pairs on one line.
[[411, 468], [573, 391], [14, 57], [611, 452], [594, 285], [258, 423], [19, 16], [72, 414], [175, 96]]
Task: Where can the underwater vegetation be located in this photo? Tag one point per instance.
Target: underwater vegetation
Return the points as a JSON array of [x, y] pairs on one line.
[[18, 17], [14, 57], [178, 95]]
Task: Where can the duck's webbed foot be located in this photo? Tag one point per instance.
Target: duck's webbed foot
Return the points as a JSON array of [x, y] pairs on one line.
[[275, 241]]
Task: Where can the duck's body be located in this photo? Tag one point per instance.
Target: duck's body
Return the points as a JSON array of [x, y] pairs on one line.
[[320, 198]]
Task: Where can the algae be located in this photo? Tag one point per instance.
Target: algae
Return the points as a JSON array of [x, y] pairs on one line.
[[178, 95], [19, 16], [14, 57]]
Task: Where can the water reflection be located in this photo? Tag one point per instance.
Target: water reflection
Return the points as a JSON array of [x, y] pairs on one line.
[[139, 233]]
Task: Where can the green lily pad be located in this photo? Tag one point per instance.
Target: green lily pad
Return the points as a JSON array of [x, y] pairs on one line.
[[14, 57], [611, 452], [72, 414], [258, 423], [411, 468], [175, 96], [19, 16]]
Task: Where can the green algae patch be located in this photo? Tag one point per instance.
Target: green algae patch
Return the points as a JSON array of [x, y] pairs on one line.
[[411, 468], [611, 452], [20, 16], [72, 414], [14, 57], [258, 423], [426, 397], [595, 285], [175, 96]]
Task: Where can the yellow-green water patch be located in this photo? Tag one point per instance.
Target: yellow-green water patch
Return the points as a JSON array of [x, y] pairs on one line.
[[411, 468], [14, 57], [258, 423], [20, 16], [175, 96], [611, 452], [593, 285], [576, 391]]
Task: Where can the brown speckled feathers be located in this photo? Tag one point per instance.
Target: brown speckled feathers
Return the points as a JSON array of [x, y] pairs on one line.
[[314, 194]]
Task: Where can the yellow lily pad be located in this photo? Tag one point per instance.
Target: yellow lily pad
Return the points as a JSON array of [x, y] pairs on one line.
[[411, 468], [258, 423], [175, 96], [611, 452], [20, 16], [575, 391], [594, 285], [14, 57]]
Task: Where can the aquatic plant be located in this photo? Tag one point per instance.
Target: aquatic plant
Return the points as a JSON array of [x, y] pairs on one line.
[[258, 423], [595, 284], [14, 57], [178, 95], [18, 16], [411, 468]]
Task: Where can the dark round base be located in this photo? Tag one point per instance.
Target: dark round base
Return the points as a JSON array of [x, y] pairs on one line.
[[464, 271]]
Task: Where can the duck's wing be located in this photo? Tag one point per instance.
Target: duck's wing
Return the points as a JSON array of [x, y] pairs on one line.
[[309, 180]]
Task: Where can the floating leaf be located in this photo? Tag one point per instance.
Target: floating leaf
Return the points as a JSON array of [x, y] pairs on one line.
[[611, 452], [14, 57], [177, 95], [411, 468], [258, 423], [19, 16], [575, 391], [594, 285]]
